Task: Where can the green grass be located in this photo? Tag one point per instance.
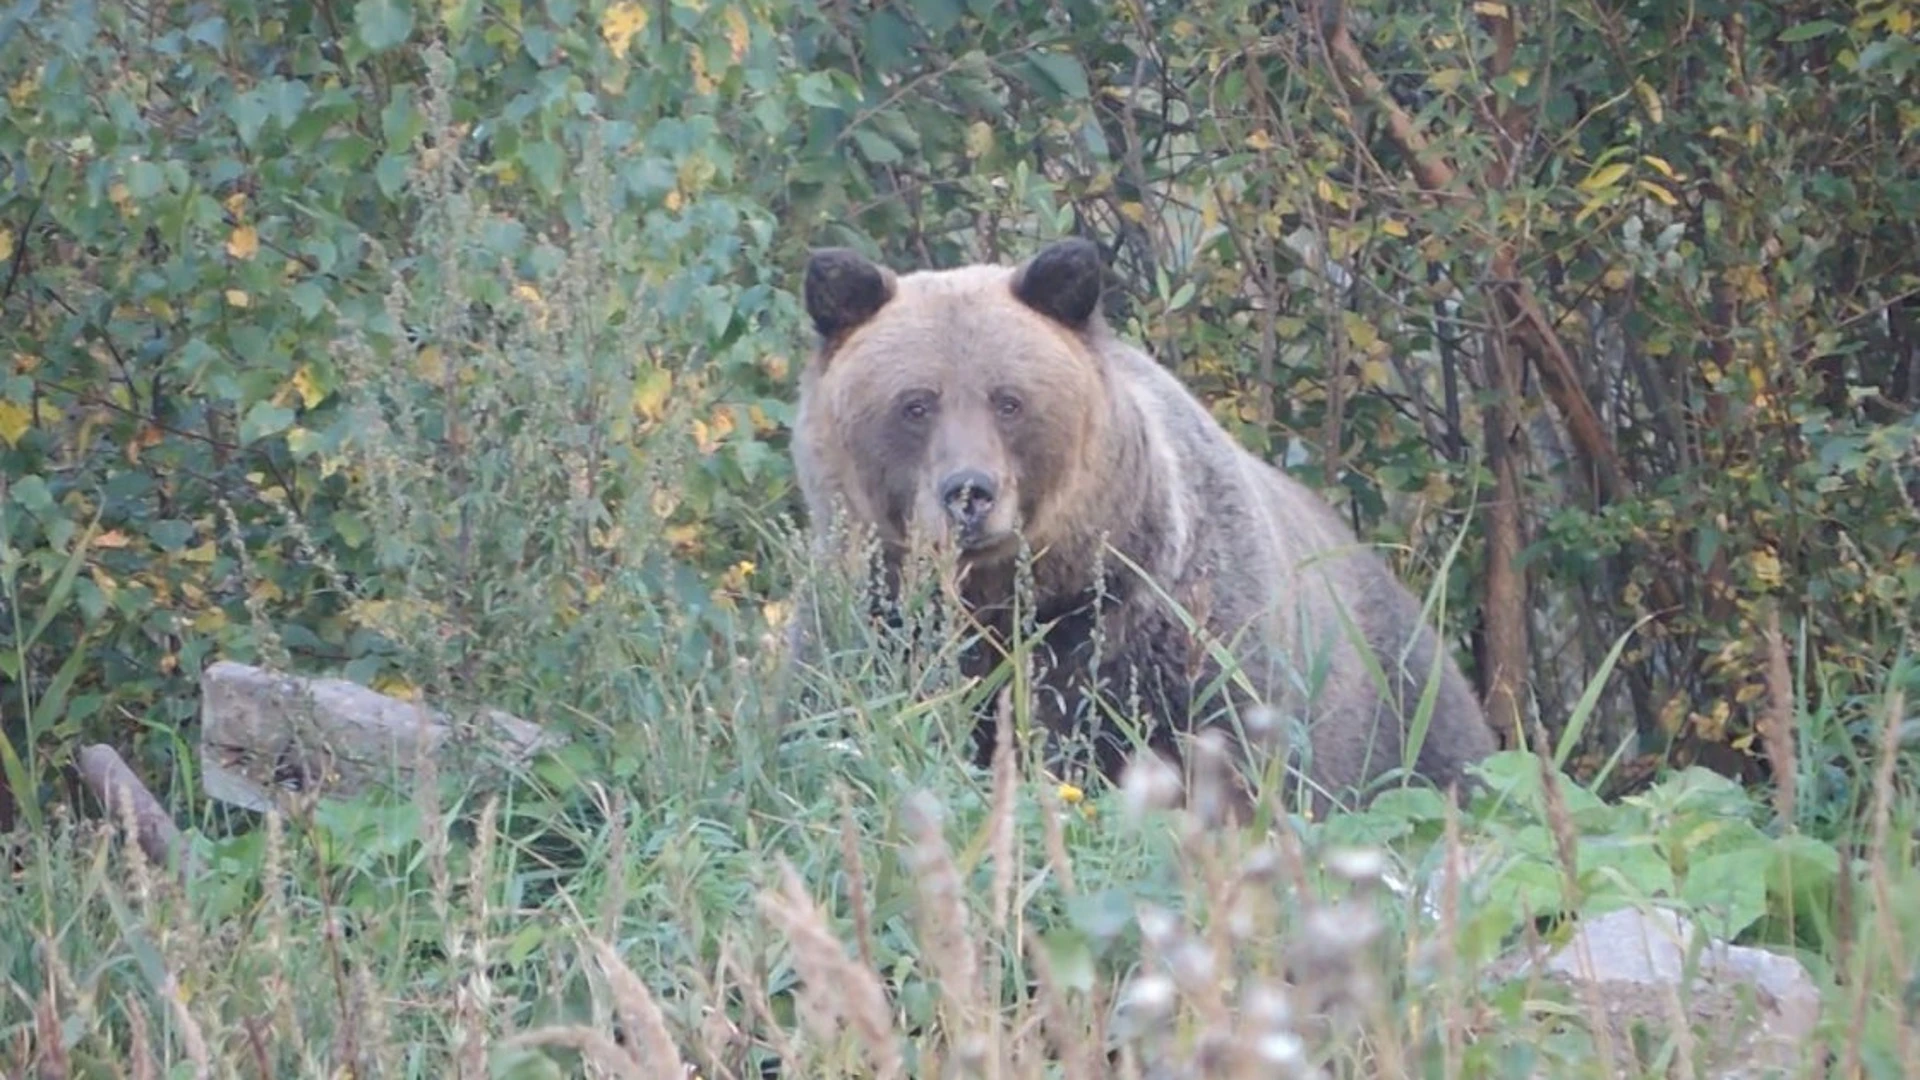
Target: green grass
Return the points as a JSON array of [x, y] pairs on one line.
[[869, 905]]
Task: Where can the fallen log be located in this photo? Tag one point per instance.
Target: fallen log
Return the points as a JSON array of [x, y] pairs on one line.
[[264, 734], [108, 776]]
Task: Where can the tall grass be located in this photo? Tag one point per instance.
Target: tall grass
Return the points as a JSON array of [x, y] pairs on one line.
[[680, 892]]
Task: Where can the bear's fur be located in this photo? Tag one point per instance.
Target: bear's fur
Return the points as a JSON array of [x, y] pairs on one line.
[[979, 406]]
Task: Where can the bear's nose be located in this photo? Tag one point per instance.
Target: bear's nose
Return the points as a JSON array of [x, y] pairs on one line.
[[968, 496]]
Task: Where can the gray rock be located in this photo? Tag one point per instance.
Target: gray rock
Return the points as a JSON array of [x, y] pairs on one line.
[[1638, 961]]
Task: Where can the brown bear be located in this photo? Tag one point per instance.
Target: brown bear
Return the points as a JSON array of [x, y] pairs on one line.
[[990, 411]]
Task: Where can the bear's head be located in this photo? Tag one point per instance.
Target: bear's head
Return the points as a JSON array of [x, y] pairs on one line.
[[964, 406]]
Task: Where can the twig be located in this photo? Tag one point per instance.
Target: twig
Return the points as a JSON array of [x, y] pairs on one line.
[[106, 774]]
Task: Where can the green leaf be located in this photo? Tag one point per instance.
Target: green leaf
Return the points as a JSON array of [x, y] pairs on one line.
[[391, 174], [1807, 31], [264, 419], [286, 98], [544, 164], [816, 89], [1070, 959], [939, 16], [249, 113], [383, 24], [170, 534], [350, 528], [1732, 888], [32, 493], [145, 180], [878, 148], [1063, 70], [890, 40]]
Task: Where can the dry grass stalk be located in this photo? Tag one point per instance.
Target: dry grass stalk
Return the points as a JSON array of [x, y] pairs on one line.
[[856, 870], [945, 930], [472, 1001], [1003, 848], [193, 1040], [639, 1015], [613, 899], [1777, 728], [1890, 944], [754, 992], [848, 992], [602, 1051], [1453, 1013], [1560, 825], [140, 1064]]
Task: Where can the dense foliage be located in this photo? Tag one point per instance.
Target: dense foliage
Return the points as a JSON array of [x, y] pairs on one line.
[[450, 346]]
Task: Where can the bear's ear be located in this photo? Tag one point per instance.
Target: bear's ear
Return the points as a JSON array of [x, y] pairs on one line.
[[1062, 282], [843, 289]]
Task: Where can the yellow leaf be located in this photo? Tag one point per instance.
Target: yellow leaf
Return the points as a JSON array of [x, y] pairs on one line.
[[15, 419], [1766, 567], [396, 686], [650, 393], [739, 35], [1070, 794], [979, 139], [202, 554], [683, 538], [664, 502], [1593, 206], [310, 391], [1490, 8], [429, 364], [1604, 176], [775, 614], [1134, 212], [1260, 140], [210, 621], [1616, 277], [238, 298], [619, 23], [1359, 331], [112, 538], [22, 92], [1650, 100], [1393, 227], [6, 243], [1658, 192], [1660, 163], [735, 579], [244, 243], [1374, 374]]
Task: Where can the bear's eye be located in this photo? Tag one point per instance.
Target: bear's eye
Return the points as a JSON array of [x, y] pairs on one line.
[[1006, 406], [915, 408]]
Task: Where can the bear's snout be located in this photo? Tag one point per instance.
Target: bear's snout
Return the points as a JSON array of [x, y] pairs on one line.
[[967, 495]]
